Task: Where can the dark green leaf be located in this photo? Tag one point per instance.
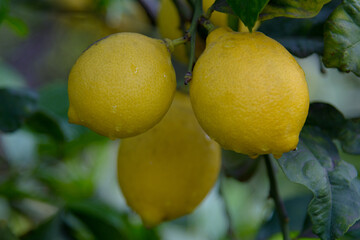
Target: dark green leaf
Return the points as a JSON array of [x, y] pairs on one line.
[[296, 210], [222, 6], [103, 221], [333, 122], [247, 11], [317, 165], [342, 38], [4, 9], [5, 232], [15, 107], [301, 37], [350, 137], [292, 8], [327, 117], [303, 47], [18, 25], [54, 99], [51, 229], [106, 222], [41, 122], [239, 166]]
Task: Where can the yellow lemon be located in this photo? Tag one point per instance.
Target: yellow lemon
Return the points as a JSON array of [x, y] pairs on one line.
[[249, 93], [167, 171], [122, 85]]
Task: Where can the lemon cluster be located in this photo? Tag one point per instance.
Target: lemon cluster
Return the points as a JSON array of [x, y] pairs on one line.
[[247, 94]]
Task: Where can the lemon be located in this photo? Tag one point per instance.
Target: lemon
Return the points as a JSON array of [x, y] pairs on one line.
[[169, 25], [167, 171], [122, 85], [249, 93]]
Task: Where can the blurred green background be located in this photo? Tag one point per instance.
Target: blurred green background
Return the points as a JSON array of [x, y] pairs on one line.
[[58, 181]]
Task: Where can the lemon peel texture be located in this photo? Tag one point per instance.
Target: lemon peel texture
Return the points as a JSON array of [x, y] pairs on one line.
[[249, 93], [122, 85]]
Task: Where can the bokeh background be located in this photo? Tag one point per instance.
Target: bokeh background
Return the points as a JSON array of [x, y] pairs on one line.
[[58, 181]]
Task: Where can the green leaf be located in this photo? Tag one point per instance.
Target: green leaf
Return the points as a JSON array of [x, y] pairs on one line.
[[239, 166], [342, 38], [18, 25], [103, 221], [50, 229], [5, 232], [4, 9], [333, 122], [15, 107], [317, 165], [327, 117], [106, 222], [292, 8], [222, 6], [296, 211], [350, 137], [54, 99], [248, 11], [42, 122], [301, 37]]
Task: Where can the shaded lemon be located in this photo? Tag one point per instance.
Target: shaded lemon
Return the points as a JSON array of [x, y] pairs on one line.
[[167, 171]]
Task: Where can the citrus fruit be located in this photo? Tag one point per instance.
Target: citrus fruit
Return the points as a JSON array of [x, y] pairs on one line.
[[165, 172], [249, 93], [122, 85]]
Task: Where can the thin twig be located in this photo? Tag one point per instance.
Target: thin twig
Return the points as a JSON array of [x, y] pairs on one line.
[[230, 231], [274, 194], [198, 11]]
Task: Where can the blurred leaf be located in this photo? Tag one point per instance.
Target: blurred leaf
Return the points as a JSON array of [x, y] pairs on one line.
[[350, 137], [106, 222], [342, 38], [239, 166], [83, 137], [41, 122], [103, 221], [5, 232], [50, 229], [296, 210], [4, 9], [301, 37], [354, 231], [16, 106], [18, 25], [317, 165], [247, 11], [69, 180], [54, 98], [327, 117], [292, 8]]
